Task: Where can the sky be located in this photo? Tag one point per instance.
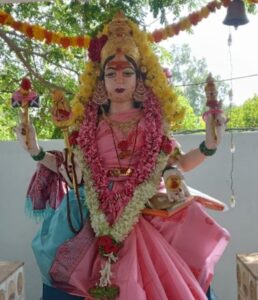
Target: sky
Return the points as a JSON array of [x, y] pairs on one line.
[[210, 41]]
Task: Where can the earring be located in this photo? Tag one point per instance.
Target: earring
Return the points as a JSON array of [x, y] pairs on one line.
[[100, 94], [140, 91]]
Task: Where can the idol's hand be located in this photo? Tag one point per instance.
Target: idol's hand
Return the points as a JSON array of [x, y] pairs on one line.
[[31, 146], [71, 170], [215, 128]]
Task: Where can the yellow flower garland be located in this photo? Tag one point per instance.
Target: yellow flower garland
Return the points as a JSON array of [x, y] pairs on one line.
[[172, 111]]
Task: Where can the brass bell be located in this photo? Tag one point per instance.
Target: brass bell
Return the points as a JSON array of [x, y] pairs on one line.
[[236, 14]]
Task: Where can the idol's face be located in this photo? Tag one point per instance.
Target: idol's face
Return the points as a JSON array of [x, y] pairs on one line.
[[120, 79]]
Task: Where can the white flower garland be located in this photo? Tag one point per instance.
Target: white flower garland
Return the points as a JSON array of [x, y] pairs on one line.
[[122, 227]]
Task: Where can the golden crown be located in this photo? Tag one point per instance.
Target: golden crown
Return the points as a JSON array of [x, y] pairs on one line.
[[120, 40]]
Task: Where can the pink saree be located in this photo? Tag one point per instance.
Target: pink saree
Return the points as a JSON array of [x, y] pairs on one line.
[[162, 258]]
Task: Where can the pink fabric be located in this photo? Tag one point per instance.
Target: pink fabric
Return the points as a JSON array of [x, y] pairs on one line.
[[46, 188], [162, 259], [110, 202], [106, 145]]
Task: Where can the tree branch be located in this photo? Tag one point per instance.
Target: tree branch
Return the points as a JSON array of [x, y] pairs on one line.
[[13, 47], [45, 57]]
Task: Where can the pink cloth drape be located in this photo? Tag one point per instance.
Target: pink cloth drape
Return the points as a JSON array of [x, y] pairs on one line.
[[164, 259]]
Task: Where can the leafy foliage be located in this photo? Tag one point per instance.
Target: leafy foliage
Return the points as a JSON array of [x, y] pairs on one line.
[[190, 74], [50, 67], [244, 116]]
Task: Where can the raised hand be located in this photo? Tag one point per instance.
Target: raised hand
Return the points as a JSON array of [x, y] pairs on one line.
[[31, 146], [215, 128]]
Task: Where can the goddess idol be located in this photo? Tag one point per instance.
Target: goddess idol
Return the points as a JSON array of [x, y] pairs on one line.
[[106, 236]]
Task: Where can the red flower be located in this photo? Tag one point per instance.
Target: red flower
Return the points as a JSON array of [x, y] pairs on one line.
[[73, 138], [80, 41], [166, 145], [25, 84], [107, 245], [3, 18], [211, 6], [29, 32], [157, 35], [96, 45], [65, 42], [48, 36], [16, 25], [194, 18]]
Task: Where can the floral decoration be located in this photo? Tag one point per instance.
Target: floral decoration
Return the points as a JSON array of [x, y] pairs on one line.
[[87, 143], [167, 145], [26, 84], [109, 292], [95, 47], [107, 245], [41, 34], [73, 138]]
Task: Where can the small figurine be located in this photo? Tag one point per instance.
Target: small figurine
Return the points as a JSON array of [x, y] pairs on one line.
[[61, 111], [176, 187], [24, 98], [212, 103]]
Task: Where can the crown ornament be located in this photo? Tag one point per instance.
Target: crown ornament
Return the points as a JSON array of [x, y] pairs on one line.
[[120, 39]]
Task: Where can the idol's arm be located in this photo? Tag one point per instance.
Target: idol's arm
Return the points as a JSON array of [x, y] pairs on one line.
[[46, 158], [193, 158]]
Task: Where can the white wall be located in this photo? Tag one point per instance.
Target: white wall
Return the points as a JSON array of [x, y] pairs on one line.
[[213, 177]]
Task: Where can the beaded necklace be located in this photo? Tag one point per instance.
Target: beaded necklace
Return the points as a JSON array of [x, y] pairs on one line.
[[123, 145]]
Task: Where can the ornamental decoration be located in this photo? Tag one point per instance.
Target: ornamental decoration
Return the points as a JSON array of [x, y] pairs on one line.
[[41, 34]]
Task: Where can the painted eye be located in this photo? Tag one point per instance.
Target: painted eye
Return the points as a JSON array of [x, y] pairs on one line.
[[128, 72], [110, 74]]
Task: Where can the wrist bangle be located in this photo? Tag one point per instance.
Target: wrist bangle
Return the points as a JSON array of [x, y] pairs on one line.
[[206, 151], [40, 155]]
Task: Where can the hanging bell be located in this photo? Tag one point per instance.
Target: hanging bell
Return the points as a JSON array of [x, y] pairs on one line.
[[236, 14]]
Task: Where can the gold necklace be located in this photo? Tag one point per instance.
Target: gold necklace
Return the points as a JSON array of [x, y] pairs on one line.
[[123, 171], [123, 126]]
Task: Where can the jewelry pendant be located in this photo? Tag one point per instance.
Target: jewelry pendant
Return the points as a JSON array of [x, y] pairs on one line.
[[124, 154], [129, 172]]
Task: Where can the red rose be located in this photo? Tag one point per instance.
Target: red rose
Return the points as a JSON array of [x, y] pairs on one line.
[[107, 245], [104, 242], [95, 47], [73, 138]]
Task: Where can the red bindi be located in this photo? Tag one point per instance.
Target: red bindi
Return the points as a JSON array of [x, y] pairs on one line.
[[119, 65]]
